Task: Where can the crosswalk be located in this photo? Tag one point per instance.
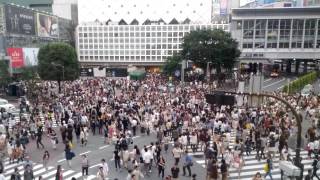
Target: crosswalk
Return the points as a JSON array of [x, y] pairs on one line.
[[39, 170], [252, 165], [42, 117]]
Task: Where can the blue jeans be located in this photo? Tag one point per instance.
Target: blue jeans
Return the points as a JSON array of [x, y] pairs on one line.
[[268, 174]]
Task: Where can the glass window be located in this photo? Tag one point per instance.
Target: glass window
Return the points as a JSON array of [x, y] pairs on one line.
[[272, 36], [285, 27], [297, 33], [318, 39], [309, 35]]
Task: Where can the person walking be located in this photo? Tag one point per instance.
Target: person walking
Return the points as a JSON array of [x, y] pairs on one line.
[[315, 167], [137, 173], [257, 176], [224, 170], [269, 167], [59, 175], [54, 139], [69, 154], [187, 164], [45, 159], [85, 165], [28, 173], [175, 172], [213, 171], [117, 158], [105, 168], [39, 139], [161, 166], [100, 173]]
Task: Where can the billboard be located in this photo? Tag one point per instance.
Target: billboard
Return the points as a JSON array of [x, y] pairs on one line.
[[19, 20], [16, 57], [47, 26], [223, 7], [30, 56]]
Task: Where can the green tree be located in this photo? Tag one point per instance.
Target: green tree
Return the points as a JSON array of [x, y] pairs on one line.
[[4, 73], [171, 64], [211, 46], [58, 62]]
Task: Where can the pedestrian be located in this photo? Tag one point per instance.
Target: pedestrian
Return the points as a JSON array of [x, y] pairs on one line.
[[100, 174], [16, 175], [309, 175], [238, 163], [68, 154], [105, 167], [187, 164], [161, 166], [137, 173], [257, 176], [147, 156], [175, 172], [315, 167], [59, 174], [213, 171], [117, 159], [54, 139], [28, 173], [45, 159], [176, 152], [39, 139], [85, 165], [269, 167], [224, 170]]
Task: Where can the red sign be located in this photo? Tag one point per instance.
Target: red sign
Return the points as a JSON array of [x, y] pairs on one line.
[[16, 57]]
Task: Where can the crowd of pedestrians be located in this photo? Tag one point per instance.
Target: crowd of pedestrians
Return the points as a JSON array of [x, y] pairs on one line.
[[179, 118]]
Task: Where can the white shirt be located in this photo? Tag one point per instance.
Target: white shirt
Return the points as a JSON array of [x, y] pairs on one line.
[[105, 168], [2, 177], [147, 157]]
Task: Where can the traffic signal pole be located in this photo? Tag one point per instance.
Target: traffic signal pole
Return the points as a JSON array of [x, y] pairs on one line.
[[297, 116]]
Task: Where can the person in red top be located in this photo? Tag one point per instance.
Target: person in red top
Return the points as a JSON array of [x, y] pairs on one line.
[[59, 175]]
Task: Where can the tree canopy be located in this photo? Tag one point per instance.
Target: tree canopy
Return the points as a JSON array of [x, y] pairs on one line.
[[171, 64], [4, 73], [214, 46], [56, 59]]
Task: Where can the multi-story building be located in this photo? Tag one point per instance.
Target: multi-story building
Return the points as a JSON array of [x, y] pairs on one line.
[[40, 5], [139, 32], [24, 30], [148, 44], [291, 35]]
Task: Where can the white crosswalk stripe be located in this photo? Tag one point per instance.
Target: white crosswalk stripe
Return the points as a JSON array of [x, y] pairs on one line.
[[40, 170], [252, 165], [42, 117]]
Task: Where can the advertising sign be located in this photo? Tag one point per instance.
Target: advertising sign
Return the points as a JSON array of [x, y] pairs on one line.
[[223, 7], [86, 72], [16, 57], [19, 20], [30, 56], [47, 26]]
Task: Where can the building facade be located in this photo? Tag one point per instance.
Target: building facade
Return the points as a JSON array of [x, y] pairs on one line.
[[291, 35], [40, 5], [139, 32], [24, 30], [123, 45]]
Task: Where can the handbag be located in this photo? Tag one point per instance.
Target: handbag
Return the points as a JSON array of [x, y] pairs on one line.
[[57, 141], [266, 167]]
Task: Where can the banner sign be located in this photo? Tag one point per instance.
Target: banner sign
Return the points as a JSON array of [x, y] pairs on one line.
[[16, 57], [19, 20], [30, 56], [47, 26]]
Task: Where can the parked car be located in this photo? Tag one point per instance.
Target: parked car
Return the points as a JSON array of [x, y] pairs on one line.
[[4, 104]]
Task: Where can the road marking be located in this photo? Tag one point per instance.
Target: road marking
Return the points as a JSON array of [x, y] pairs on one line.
[[61, 160], [102, 147], [87, 152], [135, 137], [94, 166], [274, 83], [269, 79]]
